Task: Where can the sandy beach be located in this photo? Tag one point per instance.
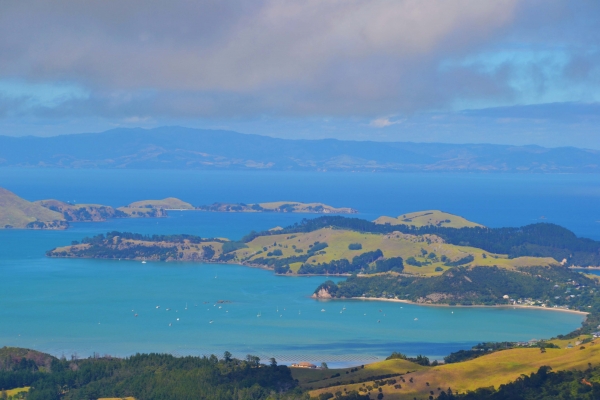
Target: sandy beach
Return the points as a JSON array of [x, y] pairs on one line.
[[479, 305]]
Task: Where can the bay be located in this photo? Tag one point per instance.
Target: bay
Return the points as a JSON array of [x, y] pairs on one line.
[[84, 306]]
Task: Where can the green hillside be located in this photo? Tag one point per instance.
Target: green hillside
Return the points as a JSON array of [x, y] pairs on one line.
[[330, 250], [19, 213], [491, 370]]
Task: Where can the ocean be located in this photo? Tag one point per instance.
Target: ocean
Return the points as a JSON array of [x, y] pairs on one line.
[[68, 307]]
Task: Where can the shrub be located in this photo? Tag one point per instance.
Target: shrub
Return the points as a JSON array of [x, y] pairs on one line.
[[228, 247]]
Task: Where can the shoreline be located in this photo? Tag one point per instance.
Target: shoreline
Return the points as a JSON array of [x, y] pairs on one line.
[[458, 305], [263, 267]]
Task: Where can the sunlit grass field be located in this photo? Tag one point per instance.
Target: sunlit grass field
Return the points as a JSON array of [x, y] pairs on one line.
[[490, 370]]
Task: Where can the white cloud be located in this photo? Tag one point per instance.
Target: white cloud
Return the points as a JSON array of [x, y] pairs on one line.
[[383, 122]]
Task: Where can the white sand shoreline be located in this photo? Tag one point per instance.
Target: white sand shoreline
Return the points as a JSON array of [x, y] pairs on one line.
[[458, 305]]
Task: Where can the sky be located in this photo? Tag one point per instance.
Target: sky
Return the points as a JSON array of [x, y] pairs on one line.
[[456, 71]]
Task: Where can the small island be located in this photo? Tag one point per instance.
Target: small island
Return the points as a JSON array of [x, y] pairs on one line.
[[278, 206]]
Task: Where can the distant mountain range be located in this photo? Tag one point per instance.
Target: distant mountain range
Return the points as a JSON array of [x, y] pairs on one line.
[[185, 148]]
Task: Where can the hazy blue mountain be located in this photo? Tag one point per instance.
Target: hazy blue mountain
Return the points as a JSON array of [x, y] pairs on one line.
[[184, 148]]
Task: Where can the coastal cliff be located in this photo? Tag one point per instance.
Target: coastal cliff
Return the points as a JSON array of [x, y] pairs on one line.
[[82, 212]]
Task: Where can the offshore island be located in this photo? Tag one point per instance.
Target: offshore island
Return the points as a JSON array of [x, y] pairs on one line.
[[18, 213]]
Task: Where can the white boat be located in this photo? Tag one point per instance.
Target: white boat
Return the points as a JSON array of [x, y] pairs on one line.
[[169, 324], [177, 319], [210, 321], [144, 262], [258, 315], [416, 319], [157, 306], [322, 310]]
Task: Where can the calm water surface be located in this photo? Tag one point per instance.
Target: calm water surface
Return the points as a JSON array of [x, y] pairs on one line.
[[82, 306]]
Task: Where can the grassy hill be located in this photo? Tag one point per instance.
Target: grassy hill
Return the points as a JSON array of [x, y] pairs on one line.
[[19, 213], [428, 250], [490, 370], [321, 378], [427, 218], [170, 203]]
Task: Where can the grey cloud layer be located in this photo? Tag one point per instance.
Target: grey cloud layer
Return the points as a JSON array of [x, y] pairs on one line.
[[313, 57]]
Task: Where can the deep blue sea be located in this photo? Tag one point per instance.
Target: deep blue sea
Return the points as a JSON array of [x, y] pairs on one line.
[[84, 306]]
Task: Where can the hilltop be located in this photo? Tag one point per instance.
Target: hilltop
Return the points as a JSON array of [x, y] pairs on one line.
[[185, 148], [170, 203], [427, 218], [19, 213]]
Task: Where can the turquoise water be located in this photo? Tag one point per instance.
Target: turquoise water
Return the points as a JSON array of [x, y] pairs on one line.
[[83, 306]]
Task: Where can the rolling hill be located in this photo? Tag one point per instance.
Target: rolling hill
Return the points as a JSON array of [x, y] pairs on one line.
[[490, 370], [19, 213], [429, 218]]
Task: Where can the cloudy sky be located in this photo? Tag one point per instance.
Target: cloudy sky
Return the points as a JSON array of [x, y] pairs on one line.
[[505, 71]]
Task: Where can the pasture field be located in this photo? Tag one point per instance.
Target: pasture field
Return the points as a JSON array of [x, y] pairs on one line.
[[117, 398], [16, 391], [490, 370], [392, 245], [319, 378]]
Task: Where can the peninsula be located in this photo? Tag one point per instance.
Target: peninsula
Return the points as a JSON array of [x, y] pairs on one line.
[[427, 264]]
